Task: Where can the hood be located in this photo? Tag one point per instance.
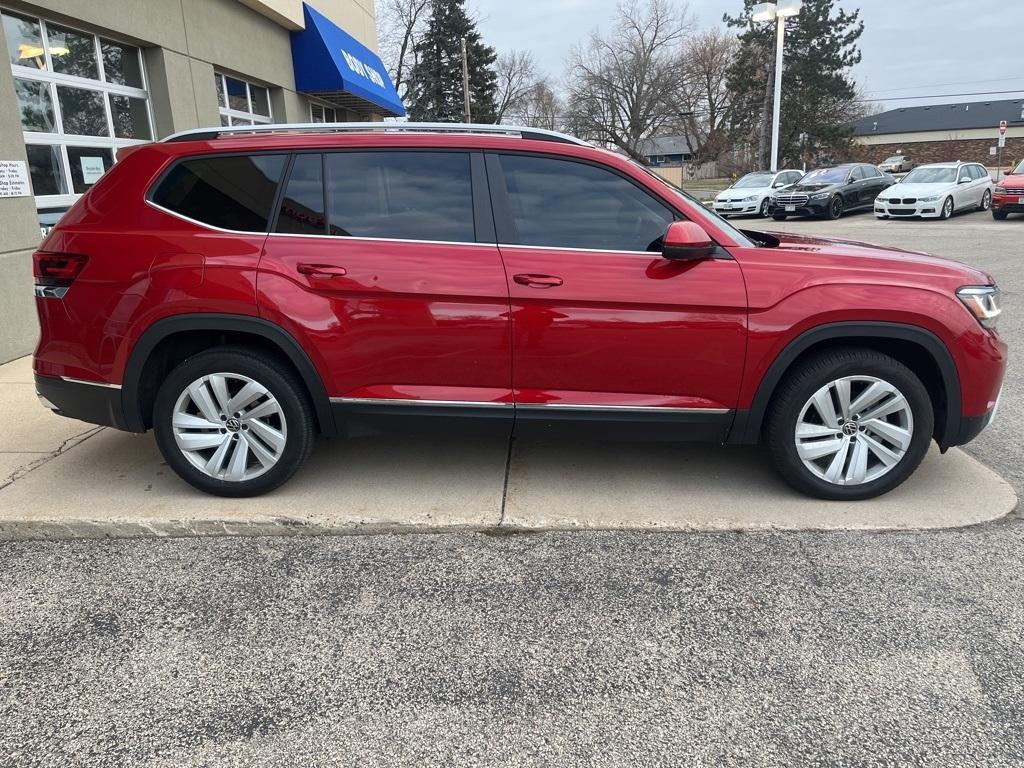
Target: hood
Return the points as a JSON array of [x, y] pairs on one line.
[[1012, 182], [883, 259], [737, 193], [812, 187], [917, 190]]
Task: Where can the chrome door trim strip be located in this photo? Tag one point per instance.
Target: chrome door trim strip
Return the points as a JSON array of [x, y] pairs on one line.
[[527, 406], [72, 380]]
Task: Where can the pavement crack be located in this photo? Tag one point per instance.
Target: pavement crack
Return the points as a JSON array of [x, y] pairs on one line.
[[65, 446], [504, 484]]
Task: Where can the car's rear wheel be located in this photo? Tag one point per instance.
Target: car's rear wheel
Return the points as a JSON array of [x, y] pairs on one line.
[[986, 200], [233, 422], [835, 207], [947, 208], [849, 424]]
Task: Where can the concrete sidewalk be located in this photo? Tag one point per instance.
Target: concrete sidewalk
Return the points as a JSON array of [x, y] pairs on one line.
[[62, 478]]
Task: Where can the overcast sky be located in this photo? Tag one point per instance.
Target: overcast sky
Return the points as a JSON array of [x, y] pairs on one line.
[[910, 47]]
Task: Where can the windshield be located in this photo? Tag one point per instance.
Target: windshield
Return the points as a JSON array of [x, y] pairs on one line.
[[826, 176], [754, 180], [1019, 169], [697, 210], [894, 159], [932, 175]]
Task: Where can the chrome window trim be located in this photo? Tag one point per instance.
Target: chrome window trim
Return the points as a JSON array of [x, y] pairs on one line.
[[72, 380], [527, 406]]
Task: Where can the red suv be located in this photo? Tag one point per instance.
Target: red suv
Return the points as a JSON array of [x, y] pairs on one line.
[[1008, 194], [241, 290]]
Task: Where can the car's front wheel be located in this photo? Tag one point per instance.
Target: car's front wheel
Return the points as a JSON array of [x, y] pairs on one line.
[[947, 208], [763, 212], [835, 207], [233, 422], [849, 424]]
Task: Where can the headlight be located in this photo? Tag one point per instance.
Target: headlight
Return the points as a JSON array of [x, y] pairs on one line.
[[931, 199], [820, 196], [999, 190], [983, 302], [748, 199]]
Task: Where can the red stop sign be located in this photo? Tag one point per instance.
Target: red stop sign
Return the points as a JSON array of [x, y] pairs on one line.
[[1002, 127]]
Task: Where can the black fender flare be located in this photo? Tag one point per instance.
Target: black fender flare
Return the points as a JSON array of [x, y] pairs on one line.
[[275, 334], [746, 427]]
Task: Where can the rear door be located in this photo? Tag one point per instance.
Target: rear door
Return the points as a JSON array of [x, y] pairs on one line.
[[603, 327], [385, 263]]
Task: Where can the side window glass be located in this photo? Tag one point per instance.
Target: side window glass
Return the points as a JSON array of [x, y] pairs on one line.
[[872, 172], [858, 173], [979, 172], [400, 195], [302, 207], [965, 173], [565, 204], [233, 192]]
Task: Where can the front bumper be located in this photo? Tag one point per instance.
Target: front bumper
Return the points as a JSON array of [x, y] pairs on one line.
[[94, 403], [810, 208], [740, 208], [1013, 203], [908, 210]]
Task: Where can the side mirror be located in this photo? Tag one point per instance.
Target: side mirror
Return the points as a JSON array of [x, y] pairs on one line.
[[778, 184], [964, 180], [686, 241]]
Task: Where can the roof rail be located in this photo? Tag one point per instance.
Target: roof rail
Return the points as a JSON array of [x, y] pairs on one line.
[[538, 134]]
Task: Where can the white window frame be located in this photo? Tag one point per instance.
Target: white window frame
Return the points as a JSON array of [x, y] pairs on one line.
[[236, 114], [53, 79], [324, 107]]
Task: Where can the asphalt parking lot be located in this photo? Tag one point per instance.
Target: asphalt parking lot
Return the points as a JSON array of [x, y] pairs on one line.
[[561, 648]]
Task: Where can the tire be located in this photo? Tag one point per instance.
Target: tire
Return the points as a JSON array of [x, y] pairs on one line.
[[763, 213], [779, 216], [947, 208], [835, 208], [262, 451], [986, 200], [999, 215], [793, 406]]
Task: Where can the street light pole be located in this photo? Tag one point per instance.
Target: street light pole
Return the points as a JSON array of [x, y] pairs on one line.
[[779, 12], [780, 36]]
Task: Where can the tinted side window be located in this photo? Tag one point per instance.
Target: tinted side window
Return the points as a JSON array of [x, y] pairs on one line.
[[979, 172], [871, 172], [302, 207], [858, 173], [227, 192], [401, 195], [566, 204]]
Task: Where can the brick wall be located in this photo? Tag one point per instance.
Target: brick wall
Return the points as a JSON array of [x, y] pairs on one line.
[[968, 150]]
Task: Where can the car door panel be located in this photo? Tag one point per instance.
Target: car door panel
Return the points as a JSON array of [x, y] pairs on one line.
[[393, 320], [622, 331]]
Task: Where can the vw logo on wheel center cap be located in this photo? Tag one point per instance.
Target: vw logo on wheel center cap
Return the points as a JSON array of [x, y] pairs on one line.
[[849, 429], [233, 425]]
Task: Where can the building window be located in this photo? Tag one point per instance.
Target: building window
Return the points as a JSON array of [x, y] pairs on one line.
[[241, 102], [318, 113], [80, 97]]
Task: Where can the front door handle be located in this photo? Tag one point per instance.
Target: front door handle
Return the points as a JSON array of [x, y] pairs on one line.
[[320, 270], [538, 281]]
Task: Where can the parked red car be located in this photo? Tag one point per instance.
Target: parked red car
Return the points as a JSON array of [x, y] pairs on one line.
[[241, 290], [1008, 194]]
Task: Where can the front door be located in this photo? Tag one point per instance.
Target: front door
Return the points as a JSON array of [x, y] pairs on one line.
[[379, 260], [604, 329]]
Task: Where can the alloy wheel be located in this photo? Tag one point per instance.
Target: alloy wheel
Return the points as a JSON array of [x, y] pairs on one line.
[[947, 208], [854, 430], [836, 207], [229, 426], [986, 200]]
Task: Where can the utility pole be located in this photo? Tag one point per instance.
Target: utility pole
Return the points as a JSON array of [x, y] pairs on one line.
[[465, 83]]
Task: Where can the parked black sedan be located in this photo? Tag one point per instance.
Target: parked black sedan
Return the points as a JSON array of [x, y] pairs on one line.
[[830, 192]]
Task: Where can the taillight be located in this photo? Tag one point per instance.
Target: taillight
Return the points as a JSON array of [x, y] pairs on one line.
[[55, 272]]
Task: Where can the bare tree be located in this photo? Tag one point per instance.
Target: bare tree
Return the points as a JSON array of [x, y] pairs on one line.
[[705, 98], [517, 77], [401, 23], [623, 87], [539, 107]]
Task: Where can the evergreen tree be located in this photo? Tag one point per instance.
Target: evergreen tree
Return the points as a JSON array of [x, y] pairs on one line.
[[819, 97], [435, 82]]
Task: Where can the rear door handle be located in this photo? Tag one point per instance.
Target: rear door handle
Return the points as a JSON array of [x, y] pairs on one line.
[[538, 281], [320, 270]]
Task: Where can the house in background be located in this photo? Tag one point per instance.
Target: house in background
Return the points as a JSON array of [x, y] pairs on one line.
[[943, 132], [667, 151]]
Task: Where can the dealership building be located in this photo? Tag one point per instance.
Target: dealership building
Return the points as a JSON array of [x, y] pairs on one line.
[[86, 77]]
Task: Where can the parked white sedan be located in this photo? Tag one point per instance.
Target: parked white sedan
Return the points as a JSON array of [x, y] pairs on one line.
[[749, 195], [937, 191]]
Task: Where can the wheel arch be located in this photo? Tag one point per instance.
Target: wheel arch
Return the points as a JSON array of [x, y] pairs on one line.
[[191, 330], [931, 361]]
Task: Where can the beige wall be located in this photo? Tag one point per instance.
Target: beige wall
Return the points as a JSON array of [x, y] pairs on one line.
[[183, 42]]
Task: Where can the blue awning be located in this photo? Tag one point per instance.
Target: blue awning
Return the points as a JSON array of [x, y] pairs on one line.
[[333, 65]]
